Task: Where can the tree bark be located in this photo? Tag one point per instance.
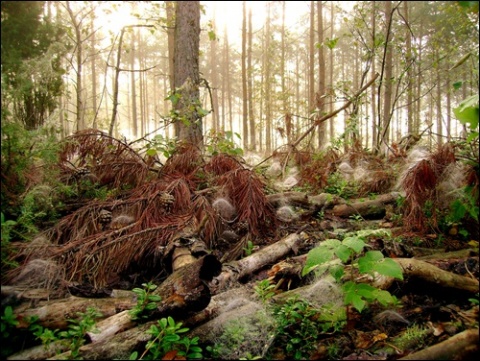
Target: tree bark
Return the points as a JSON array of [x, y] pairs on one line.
[[234, 271], [462, 346], [186, 73]]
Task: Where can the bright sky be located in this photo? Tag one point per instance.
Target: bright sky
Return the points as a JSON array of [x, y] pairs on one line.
[[229, 14]]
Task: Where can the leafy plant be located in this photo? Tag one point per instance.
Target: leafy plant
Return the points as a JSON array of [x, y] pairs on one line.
[[300, 324], [78, 328], [9, 320], [159, 143], [146, 301], [412, 338], [264, 290], [336, 184], [218, 143], [333, 254], [468, 113], [6, 227], [245, 337], [167, 339], [249, 248]]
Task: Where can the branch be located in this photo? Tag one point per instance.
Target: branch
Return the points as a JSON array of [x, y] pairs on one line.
[[331, 115]]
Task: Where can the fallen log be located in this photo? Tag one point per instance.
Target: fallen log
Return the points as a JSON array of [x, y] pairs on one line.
[[367, 208], [235, 271], [183, 293], [117, 347], [462, 346], [411, 267], [54, 314]]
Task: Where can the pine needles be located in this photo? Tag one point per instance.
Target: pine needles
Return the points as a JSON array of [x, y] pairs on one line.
[[419, 183]]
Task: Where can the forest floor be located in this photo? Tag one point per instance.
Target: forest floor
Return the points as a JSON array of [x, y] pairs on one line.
[[309, 261]]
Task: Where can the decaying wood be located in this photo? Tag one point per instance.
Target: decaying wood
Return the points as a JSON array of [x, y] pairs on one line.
[[462, 346], [365, 207], [235, 271], [183, 293], [41, 352], [54, 314], [411, 267], [117, 347], [430, 273]]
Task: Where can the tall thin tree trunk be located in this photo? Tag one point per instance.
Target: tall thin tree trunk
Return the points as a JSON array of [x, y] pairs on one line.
[[170, 10], [438, 102], [214, 78], [330, 108], [244, 77], [268, 99], [93, 57], [373, 94], [79, 70], [409, 58], [133, 92], [253, 139], [311, 60], [387, 79], [321, 75]]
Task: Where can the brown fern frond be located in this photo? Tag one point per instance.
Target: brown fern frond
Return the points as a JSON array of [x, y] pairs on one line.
[[207, 218], [246, 191], [444, 156], [186, 159], [110, 160], [315, 174], [221, 164]]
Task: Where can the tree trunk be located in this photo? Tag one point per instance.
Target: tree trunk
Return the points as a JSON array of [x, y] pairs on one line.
[[79, 118], [133, 94], [320, 103], [251, 115], [311, 60], [244, 77], [267, 83], [186, 73]]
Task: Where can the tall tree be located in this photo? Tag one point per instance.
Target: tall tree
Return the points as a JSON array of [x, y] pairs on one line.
[[320, 101], [386, 79], [244, 77], [31, 62], [186, 72], [267, 83], [253, 141]]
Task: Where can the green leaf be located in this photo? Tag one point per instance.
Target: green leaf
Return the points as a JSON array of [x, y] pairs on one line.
[[343, 252], [316, 257], [354, 243], [373, 261], [467, 111], [388, 267], [384, 297], [152, 152], [171, 338], [457, 85], [154, 298], [337, 271]]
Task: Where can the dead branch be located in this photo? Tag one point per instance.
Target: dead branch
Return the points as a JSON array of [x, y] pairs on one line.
[[462, 346], [365, 207], [54, 314], [183, 293], [234, 271]]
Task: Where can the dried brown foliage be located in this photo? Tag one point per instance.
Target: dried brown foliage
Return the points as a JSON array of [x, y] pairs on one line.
[[110, 161], [106, 241], [246, 191], [222, 163], [315, 174], [419, 183]]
